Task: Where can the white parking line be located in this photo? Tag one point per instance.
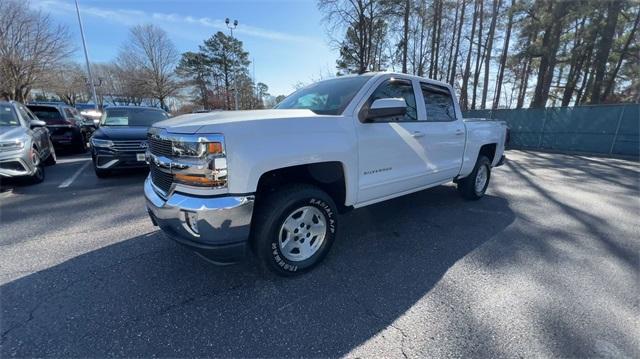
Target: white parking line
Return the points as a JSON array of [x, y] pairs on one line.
[[70, 180]]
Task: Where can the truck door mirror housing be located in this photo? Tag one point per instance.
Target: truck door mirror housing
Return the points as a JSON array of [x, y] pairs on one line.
[[386, 107]]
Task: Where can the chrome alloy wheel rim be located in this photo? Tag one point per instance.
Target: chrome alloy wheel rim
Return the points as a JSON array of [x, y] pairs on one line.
[[35, 160], [481, 178], [302, 233]]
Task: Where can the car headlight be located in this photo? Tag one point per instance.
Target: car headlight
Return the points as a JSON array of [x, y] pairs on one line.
[[11, 145], [101, 143]]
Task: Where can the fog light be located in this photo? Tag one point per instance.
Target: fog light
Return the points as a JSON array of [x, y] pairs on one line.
[[191, 219]]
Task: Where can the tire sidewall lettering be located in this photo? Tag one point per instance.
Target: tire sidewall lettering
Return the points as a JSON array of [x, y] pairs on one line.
[[327, 211]]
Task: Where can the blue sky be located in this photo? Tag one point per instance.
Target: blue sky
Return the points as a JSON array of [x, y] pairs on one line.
[[285, 38]]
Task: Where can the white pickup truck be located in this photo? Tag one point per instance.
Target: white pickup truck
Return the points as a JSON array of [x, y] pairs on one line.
[[274, 181]]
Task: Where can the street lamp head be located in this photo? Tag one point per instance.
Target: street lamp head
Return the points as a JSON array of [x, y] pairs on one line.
[[226, 21], [235, 22]]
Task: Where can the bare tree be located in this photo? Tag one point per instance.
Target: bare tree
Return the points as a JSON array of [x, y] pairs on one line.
[[489, 48], [363, 21], [464, 93], [603, 49], [69, 82], [503, 57], [30, 45], [150, 52]]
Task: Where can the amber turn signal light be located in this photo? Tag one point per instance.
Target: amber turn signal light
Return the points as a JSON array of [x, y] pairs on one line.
[[214, 147], [197, 180]]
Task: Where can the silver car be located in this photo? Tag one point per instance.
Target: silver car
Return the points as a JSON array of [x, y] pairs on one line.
[[25, 144]]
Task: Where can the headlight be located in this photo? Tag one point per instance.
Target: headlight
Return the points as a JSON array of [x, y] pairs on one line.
[[101, 143], [211, 164], [196, 149], [11, 145]]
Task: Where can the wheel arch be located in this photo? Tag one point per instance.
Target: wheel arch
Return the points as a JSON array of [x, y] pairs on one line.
[[329, 176], [488, 150], [472, 154]]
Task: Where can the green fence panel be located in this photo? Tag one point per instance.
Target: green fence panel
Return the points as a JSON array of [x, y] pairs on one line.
[[526, 126], [478, 114], [581, 129], [628, 135], [605, 129]]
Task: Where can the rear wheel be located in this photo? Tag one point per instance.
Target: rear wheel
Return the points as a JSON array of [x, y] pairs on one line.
[[81, 146], [294, 229], [475, 185]]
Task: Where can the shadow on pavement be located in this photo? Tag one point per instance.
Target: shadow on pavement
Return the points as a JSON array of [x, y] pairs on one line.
[[147, 296]]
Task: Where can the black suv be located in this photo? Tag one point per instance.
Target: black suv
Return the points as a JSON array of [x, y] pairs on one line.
[[66, 125], [121, 138]]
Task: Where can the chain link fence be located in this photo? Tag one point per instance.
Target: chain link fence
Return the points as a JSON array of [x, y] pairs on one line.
[[602, 129]]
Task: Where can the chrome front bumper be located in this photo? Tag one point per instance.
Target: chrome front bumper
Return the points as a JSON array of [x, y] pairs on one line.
[[215, 227]]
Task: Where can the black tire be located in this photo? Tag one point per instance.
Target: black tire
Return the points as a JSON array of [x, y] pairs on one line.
[[52, 159], [81, 146], [467, 185], [269, 218], [100, 173]]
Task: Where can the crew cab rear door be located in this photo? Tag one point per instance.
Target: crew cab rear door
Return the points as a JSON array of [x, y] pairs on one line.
[[444, 131]]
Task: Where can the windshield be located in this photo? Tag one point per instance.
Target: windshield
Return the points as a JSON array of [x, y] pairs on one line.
[[7, 116], [143, 117], [47, 114], [328, 97]]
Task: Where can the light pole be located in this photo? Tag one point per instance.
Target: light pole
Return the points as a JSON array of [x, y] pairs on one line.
[[86, 57], [235, 72]]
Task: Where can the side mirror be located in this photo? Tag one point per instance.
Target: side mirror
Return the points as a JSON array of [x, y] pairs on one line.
[[37, 123], [386, 107]]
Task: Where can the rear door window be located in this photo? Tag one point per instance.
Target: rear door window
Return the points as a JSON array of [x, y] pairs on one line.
[[438, 103]]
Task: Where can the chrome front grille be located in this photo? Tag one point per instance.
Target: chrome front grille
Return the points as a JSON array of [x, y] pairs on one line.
[[130, 146], [159, 146], [160, 179]]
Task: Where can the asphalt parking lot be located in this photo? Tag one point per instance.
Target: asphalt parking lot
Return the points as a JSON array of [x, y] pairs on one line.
[[546, 265]]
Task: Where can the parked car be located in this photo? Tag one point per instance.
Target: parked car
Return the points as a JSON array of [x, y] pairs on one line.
[[67, 127], [275, 180], [25, 145], [121, 140]]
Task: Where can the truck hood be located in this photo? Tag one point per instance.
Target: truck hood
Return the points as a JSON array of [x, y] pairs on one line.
[[191, 123], [11, 132]]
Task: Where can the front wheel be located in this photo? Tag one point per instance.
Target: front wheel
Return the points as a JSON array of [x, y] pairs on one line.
[[101, 173], [294, 229], [475, 185], [38, 174]]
